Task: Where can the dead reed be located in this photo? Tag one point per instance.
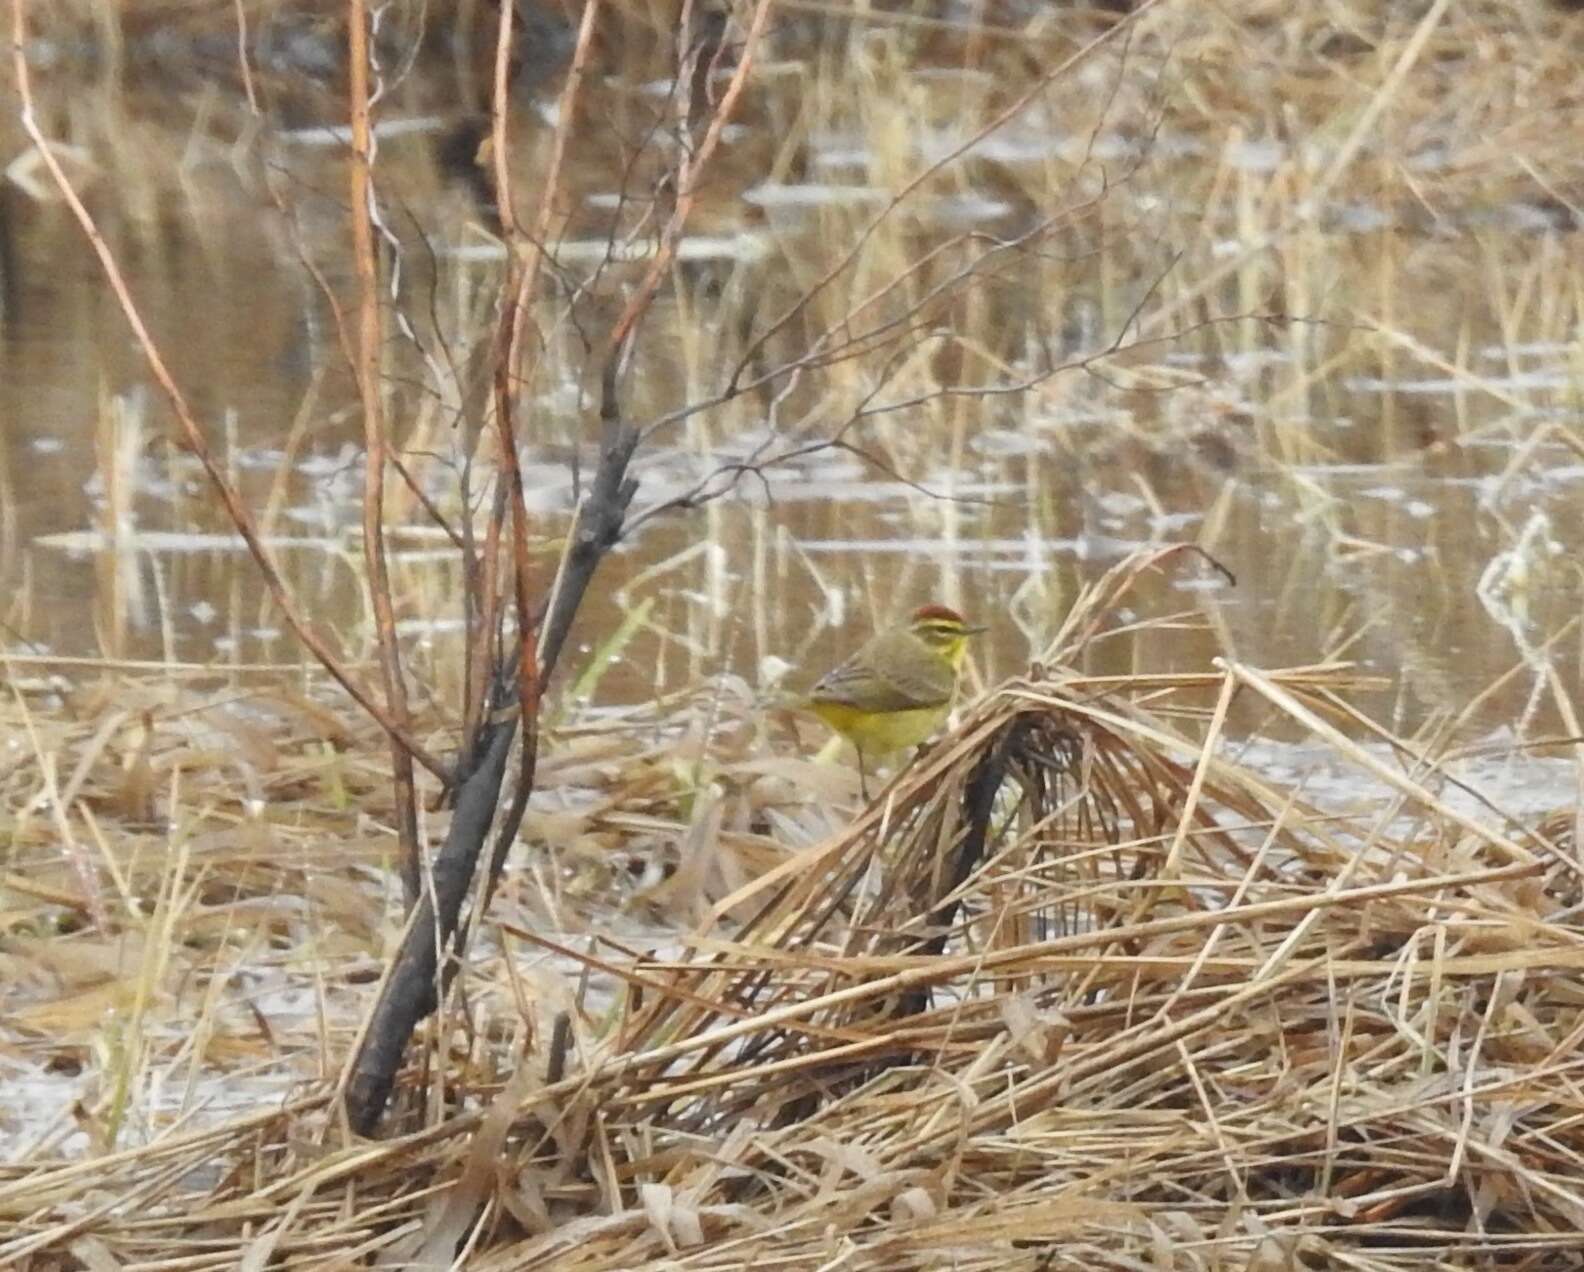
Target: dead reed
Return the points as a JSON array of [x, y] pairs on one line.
[[1082, 990], [1079, 990]]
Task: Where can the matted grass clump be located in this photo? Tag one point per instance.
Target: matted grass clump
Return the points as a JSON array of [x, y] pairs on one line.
[[1078, 991]]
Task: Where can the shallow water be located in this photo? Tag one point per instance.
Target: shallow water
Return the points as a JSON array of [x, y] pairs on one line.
[[1369, 474]]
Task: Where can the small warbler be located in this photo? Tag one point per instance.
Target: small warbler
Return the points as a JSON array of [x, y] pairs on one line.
[[896, 689]]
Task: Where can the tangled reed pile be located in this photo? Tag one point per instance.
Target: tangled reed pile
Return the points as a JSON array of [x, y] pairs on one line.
[[1075, 992]]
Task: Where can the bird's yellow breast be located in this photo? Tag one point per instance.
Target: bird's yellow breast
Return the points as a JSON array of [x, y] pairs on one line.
[[878, 733]]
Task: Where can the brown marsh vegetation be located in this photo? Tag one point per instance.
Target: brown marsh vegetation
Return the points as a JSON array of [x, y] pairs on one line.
[[1155, 960]]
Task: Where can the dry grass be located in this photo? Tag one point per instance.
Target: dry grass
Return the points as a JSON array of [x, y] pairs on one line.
[[1079, 991], [1082, 991]]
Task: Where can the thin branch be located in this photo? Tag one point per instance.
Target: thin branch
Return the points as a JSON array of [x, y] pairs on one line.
[[192, 433], [370, 332], [418, 977], [845, 262]]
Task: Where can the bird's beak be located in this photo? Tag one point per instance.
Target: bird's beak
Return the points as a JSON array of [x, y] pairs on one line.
[[975, 631]]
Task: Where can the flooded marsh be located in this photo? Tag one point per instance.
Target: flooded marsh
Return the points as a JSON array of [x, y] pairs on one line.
[[973, 304], [1346, 366]]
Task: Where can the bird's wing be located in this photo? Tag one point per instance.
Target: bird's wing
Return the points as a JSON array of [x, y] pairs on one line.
[[928, 686], [854, 684]]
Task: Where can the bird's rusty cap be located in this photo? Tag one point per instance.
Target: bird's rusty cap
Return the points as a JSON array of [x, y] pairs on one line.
[[943, 616]]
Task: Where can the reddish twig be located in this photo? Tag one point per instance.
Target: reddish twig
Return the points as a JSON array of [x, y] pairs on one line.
[[370, 334], [192, 434], [418, 975]]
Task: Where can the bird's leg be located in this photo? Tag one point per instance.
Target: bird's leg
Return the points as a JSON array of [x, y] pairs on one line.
[[863, 776]]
